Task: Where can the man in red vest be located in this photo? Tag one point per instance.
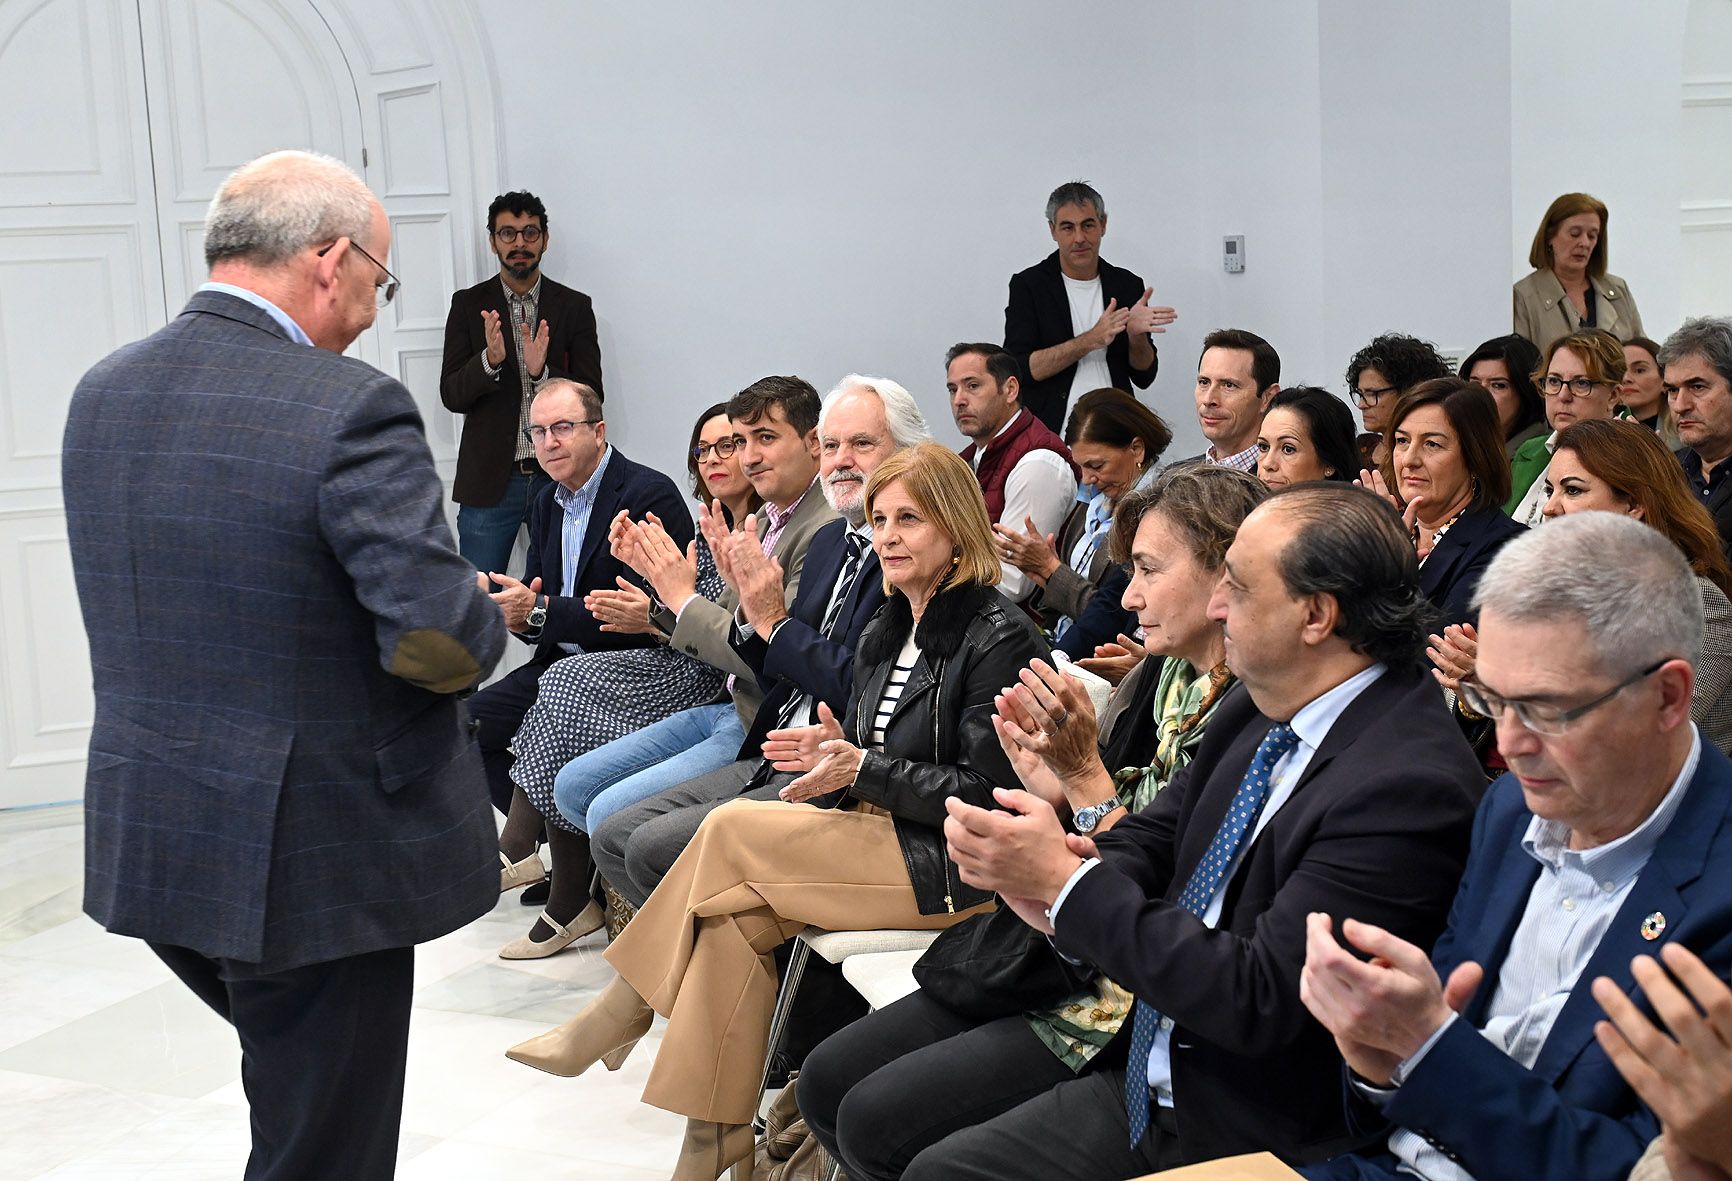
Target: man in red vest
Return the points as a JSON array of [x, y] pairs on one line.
[[1025, 471]]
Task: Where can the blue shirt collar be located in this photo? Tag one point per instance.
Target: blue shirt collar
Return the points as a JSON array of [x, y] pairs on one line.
[[296, 333], [565, 497]]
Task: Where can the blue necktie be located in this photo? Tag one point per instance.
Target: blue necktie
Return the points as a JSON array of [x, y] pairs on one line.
[[1205, 882]]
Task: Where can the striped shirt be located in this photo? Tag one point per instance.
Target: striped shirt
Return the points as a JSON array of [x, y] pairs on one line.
[[1572, 903], [906, 659]]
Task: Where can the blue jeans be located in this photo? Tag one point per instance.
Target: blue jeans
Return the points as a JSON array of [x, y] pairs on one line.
[[694, 742], [485, 534]]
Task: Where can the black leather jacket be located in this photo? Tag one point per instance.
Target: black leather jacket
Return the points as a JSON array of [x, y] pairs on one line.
[[939, 741]]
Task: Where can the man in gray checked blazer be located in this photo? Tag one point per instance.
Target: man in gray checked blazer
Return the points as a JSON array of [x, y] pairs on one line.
[[282, 798]]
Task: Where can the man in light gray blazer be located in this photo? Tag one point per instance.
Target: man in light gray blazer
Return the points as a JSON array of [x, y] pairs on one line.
[[281, 797]]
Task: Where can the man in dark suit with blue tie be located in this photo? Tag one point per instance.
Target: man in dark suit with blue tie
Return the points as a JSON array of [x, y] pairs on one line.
[[802, 655], [1332, 780], [1607, 839], [282, 798]]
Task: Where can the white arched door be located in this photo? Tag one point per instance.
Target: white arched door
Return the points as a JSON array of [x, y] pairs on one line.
[[1706, 166], [122, 118]]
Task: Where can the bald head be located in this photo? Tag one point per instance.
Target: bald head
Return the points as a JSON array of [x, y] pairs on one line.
[[274, 207]]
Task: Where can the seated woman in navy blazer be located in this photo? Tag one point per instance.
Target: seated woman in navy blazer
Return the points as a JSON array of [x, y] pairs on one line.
[[1447, 472]]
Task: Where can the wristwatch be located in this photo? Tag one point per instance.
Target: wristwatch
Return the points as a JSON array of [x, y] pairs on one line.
[[537, 614], [1089, 818]]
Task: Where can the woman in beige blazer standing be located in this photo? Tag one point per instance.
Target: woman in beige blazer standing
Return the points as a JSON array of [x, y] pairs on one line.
[[1570, 288]]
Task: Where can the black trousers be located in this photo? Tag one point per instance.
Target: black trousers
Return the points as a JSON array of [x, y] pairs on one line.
[[323, 1049], [498, 711], [918, 1091]]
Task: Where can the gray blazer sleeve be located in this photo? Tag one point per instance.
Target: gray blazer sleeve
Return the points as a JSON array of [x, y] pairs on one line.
[[381, 512]]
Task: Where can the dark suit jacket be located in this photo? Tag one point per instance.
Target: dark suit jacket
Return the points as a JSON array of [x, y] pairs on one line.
[[490, 404], [1037, 316], [1450, 575], [1572, 1117], [1719, 505], [625, 485], [800, 660], [1377, 829], [279, 770]]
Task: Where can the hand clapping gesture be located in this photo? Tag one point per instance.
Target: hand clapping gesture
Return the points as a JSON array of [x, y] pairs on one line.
[[1114, 662], [646, 547], [1144, 318], [1030, 551], [828, 759], [625, 611], [495, 336]]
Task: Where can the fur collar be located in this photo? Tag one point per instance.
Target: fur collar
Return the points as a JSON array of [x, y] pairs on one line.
[[942, 628]]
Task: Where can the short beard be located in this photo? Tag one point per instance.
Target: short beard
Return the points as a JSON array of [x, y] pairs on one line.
[[521, 272], [855, 513]]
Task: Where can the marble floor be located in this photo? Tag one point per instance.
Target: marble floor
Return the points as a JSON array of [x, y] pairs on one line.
[[109, 1069]]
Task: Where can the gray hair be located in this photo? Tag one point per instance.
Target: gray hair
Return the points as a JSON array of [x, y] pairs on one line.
[[272, 208], [1628, 585], [1074, 192], [1707, 336], [901, 413], [590, 400]]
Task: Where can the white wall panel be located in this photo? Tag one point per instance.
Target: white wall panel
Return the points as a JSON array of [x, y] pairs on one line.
[[44, 682], [413, 149]]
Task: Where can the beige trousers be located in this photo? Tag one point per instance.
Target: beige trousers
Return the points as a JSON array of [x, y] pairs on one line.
[[700, 950]]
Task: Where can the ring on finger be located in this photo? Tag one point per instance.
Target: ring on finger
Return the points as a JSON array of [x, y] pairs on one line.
[[1058, 722]]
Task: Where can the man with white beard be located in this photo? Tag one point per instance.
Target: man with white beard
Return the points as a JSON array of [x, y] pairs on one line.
[[804, 657]]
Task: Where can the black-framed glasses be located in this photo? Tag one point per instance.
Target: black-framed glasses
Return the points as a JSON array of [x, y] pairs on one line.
[[722, 447], [1367, 397], [1581, 387], [510, 234], [383, 293], [561, 431], [1539, 717]]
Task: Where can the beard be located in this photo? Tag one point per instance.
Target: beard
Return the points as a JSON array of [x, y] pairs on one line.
[[520, 270], [847, 495]]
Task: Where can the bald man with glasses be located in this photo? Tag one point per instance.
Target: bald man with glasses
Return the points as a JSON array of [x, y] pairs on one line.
[[505, 338], [1607, 840]]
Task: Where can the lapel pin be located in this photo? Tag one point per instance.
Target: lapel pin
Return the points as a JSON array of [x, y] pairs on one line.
[[1653, 926]]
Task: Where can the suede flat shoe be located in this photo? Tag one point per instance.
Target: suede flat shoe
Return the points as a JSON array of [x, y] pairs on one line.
[[527, 872], [564, 935]]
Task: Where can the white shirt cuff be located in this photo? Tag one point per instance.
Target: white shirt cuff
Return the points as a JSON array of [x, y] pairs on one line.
[[1403, 1070], [1075, 877]]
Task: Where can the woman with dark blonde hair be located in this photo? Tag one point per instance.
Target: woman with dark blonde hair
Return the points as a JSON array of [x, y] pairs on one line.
[[1570, 288], [1579, 376], [856, 841], [1622, 467]]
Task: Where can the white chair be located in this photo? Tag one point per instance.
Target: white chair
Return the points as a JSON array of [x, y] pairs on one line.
[[837, 947], [882, 977]]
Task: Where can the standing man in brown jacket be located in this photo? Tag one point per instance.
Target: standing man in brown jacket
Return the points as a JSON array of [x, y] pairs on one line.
[[504, 338]]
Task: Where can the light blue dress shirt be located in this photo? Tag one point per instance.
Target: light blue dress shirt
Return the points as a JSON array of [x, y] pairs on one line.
[[296, 333], [576, 507]]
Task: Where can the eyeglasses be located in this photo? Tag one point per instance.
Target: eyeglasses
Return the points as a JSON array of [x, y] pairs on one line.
[[1368, 398], [561, 431], [1580, 387], [722, 447], [510, 234], [1540, 718], [383, 293]]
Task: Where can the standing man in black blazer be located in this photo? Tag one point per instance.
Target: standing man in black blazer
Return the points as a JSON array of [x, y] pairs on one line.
[[1333, 779], [504, 338], [569, 556], [1074, 321]]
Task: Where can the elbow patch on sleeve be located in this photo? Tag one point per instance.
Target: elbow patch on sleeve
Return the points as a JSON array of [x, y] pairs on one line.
[[434, 661]]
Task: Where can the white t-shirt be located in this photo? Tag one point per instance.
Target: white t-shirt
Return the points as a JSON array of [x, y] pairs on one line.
[[1086, 305]]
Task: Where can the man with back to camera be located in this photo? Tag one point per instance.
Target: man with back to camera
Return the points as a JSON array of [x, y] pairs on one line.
[[1075, 322], [1237, 374], [1026, 472], [282, 798], [504, 337], [1607, 839], [1697, 362]]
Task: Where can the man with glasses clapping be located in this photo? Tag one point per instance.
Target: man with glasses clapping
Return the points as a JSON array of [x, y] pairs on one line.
[[504, 338]]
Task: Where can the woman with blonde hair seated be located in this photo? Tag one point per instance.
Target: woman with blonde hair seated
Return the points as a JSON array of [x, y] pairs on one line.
[[856, 843]]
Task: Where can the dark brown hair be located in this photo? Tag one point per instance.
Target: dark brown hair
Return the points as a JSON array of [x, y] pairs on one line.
[[1472, 415]]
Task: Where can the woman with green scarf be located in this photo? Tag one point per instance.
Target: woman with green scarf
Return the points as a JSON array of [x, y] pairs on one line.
[[881, 1090]]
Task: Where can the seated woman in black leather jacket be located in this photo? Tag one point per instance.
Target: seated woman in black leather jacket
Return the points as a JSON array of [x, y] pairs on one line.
[[856, 842]]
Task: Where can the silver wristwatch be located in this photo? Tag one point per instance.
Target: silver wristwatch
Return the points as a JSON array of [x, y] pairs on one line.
[[1089, 818], [537, 614]]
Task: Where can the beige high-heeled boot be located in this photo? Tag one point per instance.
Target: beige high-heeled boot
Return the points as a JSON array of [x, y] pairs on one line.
[[605, 1031], [709, 1149]]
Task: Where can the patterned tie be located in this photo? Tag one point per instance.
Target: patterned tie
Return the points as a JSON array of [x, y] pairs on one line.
[[786, 716], [1205, 881]]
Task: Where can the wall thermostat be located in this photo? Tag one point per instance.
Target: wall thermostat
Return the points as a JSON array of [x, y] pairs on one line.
[[1233, 253]]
